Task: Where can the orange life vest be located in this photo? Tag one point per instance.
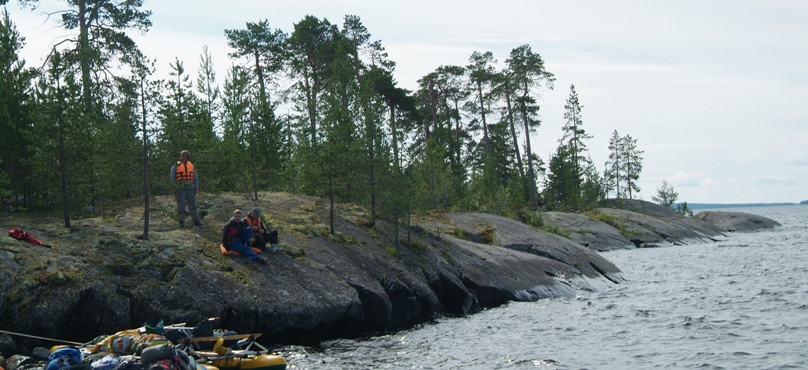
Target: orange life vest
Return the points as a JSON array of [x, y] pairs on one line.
[[253, 222], [185, 172]]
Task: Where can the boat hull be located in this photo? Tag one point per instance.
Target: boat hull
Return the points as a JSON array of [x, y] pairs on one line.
[[259, 362]]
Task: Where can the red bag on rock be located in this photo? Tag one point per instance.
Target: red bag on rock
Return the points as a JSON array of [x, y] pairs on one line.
[[18, 234]]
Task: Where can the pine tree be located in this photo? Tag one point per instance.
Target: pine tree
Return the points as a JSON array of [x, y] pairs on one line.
[[666, 195], [341, 144], [563, 189], [481, 73], [633, 164], [574, 134], [146, 94], [15, 116], [312, 47], [265, 49], [235, 121], [528, 73], [613, 175]]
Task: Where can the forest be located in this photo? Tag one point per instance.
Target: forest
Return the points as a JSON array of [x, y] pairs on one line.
[[314, 110]]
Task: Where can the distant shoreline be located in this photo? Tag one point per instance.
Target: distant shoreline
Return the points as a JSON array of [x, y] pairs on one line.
[[695, 206]]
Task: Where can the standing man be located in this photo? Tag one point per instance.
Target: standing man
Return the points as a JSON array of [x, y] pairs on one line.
[[186, 187]]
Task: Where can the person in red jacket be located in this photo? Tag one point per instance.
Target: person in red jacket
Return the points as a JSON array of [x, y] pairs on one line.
[[237, 236]]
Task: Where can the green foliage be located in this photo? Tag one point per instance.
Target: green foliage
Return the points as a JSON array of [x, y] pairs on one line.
[[563, 191], [416, 246], [15, 119], [527, 71], [392, 250], [684, 210], [666, 195], [432, 181], [317, 112], [534, 219], [552, 229], [613, 221], [624, 166]]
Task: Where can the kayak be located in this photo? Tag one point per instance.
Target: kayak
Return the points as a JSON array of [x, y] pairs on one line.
[[248, 362]]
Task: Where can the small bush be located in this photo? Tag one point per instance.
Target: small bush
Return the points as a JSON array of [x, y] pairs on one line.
[[392, 250]]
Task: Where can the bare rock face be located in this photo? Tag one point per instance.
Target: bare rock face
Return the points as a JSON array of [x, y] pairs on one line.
[[100, 278], [737, 221], [577, 260], [649, 231], [651, 225], [588, 232], [626, 224]]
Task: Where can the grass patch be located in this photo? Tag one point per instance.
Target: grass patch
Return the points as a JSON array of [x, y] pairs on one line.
[[415, 245], [613, 221], [487, 231], [552, 229]]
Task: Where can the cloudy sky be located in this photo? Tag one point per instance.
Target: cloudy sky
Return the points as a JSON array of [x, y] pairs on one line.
[[715, 92]]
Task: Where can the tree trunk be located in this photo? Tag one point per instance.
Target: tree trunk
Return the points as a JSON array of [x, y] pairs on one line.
[[331, 201], [394, 137], [84, 55], [457, 136], [482, 114], [63, 172], [433, 103], [254, 166], [62, 168], [145, 164], [528, 152], [513, 134]]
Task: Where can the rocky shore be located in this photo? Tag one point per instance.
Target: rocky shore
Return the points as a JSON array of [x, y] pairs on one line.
[[99, 276]]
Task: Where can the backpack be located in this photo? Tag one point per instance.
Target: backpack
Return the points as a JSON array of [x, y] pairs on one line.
[[63, 358], [123, 345], [153, 356]]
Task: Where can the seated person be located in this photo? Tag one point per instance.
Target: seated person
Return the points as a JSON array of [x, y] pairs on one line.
[[238, 236], [261, 234]]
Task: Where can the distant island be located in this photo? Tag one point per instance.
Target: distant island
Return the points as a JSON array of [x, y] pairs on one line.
[[804, 202], [695, 206]]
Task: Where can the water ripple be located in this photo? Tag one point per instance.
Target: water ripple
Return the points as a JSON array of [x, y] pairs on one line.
[[738, 304]]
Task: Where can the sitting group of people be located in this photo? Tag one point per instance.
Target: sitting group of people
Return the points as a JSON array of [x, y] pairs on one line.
[[241, 234]]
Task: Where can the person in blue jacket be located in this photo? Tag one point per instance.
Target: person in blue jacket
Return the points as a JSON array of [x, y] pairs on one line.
[[237, 236]]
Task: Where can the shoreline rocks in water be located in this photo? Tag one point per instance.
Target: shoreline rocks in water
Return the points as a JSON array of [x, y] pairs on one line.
[[101, 277], [737, 221]]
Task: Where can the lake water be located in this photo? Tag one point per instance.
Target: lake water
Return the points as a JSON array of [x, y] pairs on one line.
[[736, 304]]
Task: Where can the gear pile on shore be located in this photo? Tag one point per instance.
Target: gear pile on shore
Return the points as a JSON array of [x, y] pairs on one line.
[[191, 346]]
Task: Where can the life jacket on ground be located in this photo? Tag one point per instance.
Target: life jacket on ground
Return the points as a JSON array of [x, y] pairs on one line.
[[18, 234], [185, 172], [231, 253]]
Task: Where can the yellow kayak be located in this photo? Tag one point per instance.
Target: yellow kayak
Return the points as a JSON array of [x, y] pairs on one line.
[[251, 362]]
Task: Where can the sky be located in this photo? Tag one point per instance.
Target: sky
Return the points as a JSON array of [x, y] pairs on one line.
[[714, 92]]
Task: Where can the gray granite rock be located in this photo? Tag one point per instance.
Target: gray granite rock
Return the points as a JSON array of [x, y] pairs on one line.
[[588, 232], [737, 221], [649, 231]]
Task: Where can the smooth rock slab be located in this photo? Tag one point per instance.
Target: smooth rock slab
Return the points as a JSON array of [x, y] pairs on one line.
[[737, 221], [588, 232]]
